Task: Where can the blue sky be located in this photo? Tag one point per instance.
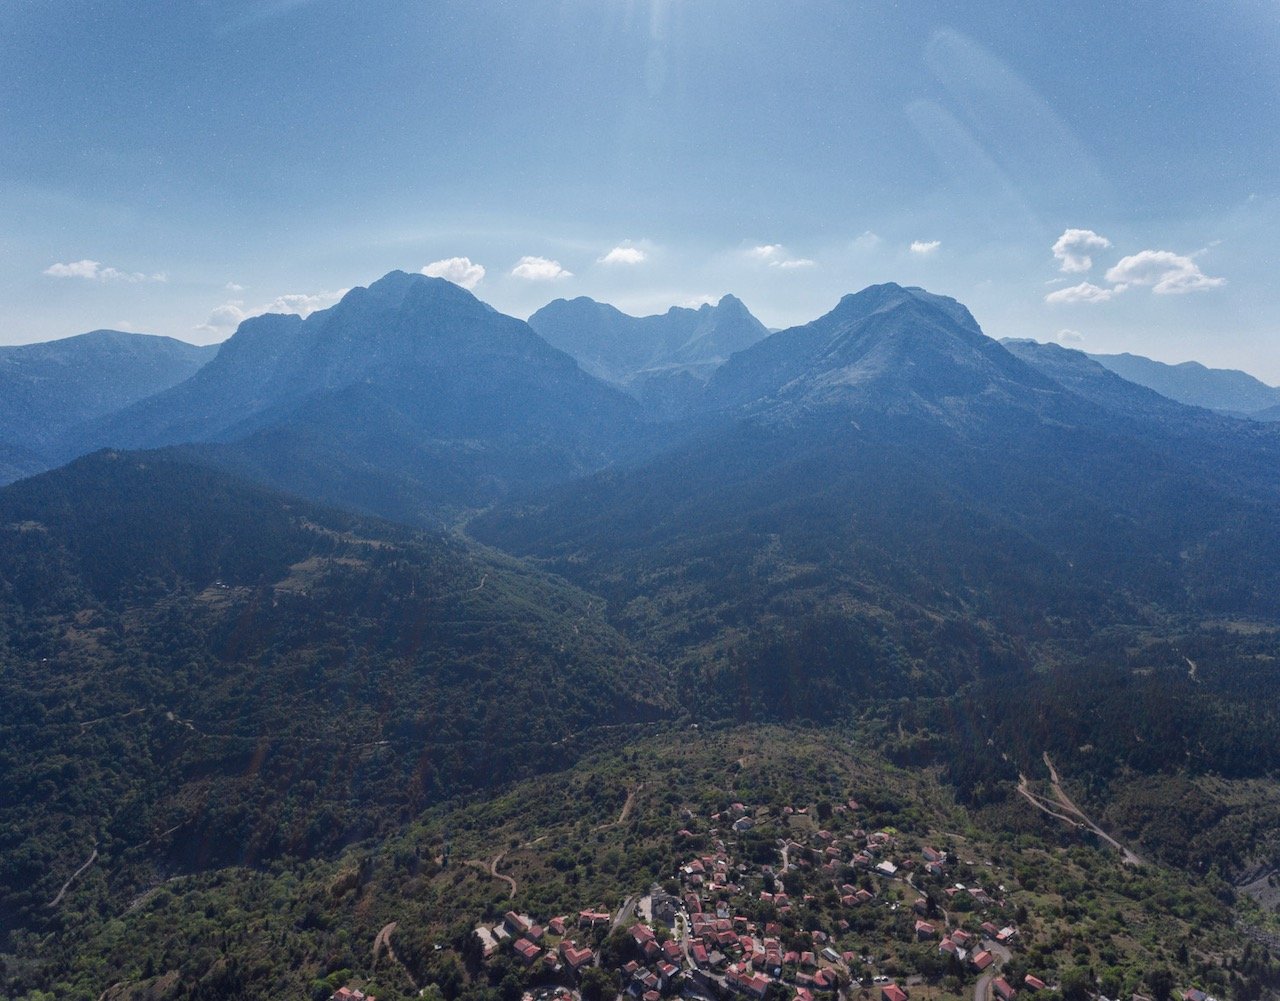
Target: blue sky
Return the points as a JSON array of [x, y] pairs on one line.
[[174, 166]]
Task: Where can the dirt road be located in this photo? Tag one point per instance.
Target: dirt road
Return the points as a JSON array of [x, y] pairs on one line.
[[1068, 812]]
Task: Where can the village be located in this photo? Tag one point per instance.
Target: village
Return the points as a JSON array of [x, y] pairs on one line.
[[809, 924]]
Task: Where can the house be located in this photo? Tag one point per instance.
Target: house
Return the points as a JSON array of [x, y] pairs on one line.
[[930, 855], [1002, 989], [1194, 994], [1006, 934], [527, 951], [892, 992], [351, 994], [925, 931], [948, 946], [516, 924], [751, 984], [575, 957], [886, 868], [990, 929], [556, 926], [699, 952], [488, 944], [961, 937], [663, 907], [593, 919], [982, 960], [1035, 983], [743, 824], [642, 933]]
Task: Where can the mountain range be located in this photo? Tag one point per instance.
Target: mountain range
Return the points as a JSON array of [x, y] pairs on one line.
[[408, 398], [408, 550], [1226, 390]]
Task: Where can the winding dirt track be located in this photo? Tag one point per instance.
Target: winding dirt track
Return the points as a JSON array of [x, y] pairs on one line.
[[382, 943], [492, 869], [67, 885], [1071, 813]]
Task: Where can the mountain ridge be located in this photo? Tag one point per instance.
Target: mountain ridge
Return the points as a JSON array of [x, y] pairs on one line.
[[1190, 382], [50, 387]]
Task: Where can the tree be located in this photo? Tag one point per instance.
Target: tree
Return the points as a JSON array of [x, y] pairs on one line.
[[1077, 984], [597, 984], [1160, 980]]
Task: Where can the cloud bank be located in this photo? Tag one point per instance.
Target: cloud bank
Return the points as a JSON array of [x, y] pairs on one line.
[[623, 254], [95, 271], [1084, 292], [1074, 249], [1165, 272], [925, 247], [1162, 271], [539, 269], [459, 270], [224, 319], [775, 255]]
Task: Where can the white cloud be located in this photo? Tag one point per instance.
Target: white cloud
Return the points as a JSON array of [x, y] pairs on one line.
[[775, 255], [1075, 247], [925, 247], [1165, 272], [1069, 338], [700, 300], [225, 318], [539, 269], [233, 287], [867, 241], [623, 254], [1084, 292], [97, 272], [459, 270]]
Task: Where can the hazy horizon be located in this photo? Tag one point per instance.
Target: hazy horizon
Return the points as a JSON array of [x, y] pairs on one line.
[[1099, 177]]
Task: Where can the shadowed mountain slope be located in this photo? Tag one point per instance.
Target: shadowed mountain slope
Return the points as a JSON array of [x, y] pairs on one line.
[[47, 389]]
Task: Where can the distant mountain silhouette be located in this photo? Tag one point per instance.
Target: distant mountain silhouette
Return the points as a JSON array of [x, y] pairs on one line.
[[662, 359], [1189, 382], [405, 396], [48, 388]]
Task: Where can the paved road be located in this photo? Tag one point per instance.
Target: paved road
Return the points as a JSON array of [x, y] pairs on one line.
[[982, 990]]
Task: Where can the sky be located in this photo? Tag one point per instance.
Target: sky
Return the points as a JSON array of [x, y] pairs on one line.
[[1100, 174]]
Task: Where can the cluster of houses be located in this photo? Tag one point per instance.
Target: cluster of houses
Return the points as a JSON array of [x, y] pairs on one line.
[[706, 935], [551, 946]]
